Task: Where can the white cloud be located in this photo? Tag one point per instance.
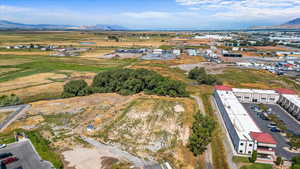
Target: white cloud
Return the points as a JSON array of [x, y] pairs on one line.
[[148, 15], [246, 9]]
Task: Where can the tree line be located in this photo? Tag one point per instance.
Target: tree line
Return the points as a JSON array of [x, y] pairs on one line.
[[201, 135], [127, 82]]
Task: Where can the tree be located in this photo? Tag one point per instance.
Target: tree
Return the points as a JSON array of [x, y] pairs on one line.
[[74, 87], [253, 157], [201, 134], [294, 142], [200, 75], [278, 161], [196, 72]]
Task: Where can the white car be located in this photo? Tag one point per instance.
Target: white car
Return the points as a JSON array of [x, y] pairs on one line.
[[2, 146]]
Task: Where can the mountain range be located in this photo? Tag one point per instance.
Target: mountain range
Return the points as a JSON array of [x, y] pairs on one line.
[[293, 24], [8, 25]]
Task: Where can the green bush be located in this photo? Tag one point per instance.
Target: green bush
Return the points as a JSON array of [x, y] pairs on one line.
[[10, 100], [74, 88]]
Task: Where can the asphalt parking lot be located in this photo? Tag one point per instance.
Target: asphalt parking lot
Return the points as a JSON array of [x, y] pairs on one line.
[[28, 158], [291, 124]]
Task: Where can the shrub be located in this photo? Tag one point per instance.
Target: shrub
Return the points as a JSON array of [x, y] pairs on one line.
[[10, 100]]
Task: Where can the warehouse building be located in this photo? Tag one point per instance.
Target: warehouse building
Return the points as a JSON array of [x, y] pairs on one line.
[[244, 133], [256, 96], [290, 101]]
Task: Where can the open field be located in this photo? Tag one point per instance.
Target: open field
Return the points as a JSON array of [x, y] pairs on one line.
[[150, 127]]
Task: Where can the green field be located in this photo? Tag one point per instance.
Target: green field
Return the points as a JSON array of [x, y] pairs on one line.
[[43, 64]]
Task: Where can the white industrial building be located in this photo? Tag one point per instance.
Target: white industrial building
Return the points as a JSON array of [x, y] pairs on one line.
[[256, 96], [290, 101], [244, 133]]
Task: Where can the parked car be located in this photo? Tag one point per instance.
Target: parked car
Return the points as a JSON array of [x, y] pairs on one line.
[[2, 146], [275, 130], [263, 117], [5, 155], [9, 160], [19, 167], [272, 125]]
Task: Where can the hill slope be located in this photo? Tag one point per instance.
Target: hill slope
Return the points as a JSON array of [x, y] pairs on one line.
[[8, 25]]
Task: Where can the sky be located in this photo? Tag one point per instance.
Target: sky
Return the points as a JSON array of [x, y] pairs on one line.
[[153, 14]]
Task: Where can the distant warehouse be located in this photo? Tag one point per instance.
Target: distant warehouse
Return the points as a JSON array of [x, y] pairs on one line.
[[244, 133]]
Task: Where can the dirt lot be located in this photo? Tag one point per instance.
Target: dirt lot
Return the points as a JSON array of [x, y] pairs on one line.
[[212, 68]]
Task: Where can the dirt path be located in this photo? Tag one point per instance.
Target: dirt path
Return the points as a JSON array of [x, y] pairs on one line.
[[208, 152]]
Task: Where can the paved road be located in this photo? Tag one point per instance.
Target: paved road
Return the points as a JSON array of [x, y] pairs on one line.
[[208, 152], [230, 152], [18, 111], [28, 157], [123, 155], [263, 125]]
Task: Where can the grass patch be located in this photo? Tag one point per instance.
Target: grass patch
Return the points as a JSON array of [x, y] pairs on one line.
[[42, 146], [238, 159], [7, 138], [58, 119], [218, 150], [249, 78], [257, 166]]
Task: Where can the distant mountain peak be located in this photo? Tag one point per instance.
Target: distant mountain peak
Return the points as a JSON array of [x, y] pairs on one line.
[[293, 22]]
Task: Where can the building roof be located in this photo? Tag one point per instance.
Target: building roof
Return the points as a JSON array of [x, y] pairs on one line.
[[238, 115], [263, 137], [285, 91], [221, 87]]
